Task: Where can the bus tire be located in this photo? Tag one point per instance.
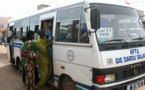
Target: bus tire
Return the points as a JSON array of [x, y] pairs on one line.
[[66, 83]]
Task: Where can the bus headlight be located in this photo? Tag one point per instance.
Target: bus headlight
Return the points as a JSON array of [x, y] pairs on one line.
[[109, 78]]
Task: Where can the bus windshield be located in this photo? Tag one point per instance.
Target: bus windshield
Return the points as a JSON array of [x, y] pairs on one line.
[[118, 25]]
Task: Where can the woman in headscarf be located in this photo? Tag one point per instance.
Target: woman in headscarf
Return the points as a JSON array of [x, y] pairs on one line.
[[30, 55], [44, 63]]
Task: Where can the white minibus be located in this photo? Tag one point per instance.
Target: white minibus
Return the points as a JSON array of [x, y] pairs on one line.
[[98, 45]]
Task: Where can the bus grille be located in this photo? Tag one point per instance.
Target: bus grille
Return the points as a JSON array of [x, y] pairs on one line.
[[129, 73]]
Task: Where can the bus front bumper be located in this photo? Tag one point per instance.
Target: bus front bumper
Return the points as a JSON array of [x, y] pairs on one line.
[[124, 86]]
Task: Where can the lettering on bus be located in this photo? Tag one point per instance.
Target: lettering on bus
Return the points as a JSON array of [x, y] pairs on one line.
[[134, 55]]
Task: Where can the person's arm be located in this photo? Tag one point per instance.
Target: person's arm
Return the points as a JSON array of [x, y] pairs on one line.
[[50, 42]]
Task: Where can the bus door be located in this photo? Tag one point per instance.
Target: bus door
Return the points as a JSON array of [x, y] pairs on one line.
[[47, 24]]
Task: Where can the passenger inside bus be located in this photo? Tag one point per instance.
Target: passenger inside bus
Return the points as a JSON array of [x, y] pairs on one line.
[[48, 34], [69, 33], [72, 32], [75, 32]]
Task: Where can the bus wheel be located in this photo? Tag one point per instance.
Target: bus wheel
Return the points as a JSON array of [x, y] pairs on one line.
[[68, 84]]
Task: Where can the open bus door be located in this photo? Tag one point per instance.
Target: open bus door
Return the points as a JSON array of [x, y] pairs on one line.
[[46, 22]]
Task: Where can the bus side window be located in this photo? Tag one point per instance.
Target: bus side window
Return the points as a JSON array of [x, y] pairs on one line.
[[68, 31], [17, 29], [17, 35], [83, 29], [68, 25], [35, 30], [24, 29], [32, 28]]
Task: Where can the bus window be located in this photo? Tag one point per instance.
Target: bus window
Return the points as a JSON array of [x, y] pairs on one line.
[[24, 30], [25, 22], [68, 26], [34, 25], [68, 31], [11, 28], [35, 29], [83, 30], [32, 28], [34, 21], [73, 13], [18, 35]]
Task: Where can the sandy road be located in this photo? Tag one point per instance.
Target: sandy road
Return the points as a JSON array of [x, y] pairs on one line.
[[10, 78]]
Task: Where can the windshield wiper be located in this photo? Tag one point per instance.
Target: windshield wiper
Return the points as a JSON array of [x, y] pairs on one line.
[[115, 40]]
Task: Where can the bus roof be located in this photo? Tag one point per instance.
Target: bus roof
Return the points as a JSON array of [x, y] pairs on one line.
[[46, 10], [114, 2], [50, 9]]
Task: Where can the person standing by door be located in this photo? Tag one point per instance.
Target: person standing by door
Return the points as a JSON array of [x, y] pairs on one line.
[[44, 62], [30, 55]]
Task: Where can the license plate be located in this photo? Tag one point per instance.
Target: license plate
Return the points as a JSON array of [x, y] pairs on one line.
[[135, 85]]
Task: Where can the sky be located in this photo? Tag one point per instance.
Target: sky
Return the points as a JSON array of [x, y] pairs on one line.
[[14, 8]]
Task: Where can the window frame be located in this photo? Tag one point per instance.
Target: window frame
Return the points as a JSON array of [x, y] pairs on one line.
[[72, 43], [17, 28]]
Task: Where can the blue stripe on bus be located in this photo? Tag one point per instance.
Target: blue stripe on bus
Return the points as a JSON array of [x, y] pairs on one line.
[[83, 85], [79, 88], [17, 44], [14, 44], [77, 83]]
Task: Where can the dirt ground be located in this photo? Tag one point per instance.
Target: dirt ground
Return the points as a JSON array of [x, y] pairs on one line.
[[10, 78]]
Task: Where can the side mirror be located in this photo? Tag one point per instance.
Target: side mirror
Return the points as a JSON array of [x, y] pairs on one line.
[[95, 18]]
